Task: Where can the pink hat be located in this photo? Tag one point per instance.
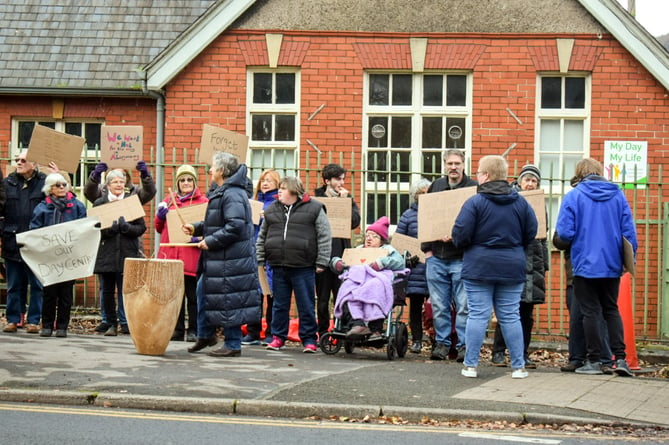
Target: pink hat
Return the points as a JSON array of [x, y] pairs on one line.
[[380, 227]]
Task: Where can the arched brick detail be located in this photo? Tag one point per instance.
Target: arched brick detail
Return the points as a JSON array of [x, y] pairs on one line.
[[293, 52], [450, 56], [254, 52], [395, 56], [544, 58]]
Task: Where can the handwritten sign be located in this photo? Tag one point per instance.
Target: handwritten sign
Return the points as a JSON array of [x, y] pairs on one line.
[[437, 212], [61, 252], [256, 210], [404, 243], [219, 139], [47, 145], [130, 208], [536, 200], [121, 146], [356, 257], [190, 214], [339, 212]]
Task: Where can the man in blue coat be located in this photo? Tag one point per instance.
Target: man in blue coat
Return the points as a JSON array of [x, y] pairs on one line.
[[595, 217]]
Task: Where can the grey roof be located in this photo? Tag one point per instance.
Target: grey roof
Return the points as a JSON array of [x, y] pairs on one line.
[[87, 44]]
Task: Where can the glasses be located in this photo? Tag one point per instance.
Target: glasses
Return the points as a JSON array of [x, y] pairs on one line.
[[372, 235], [61, 185], [189, 179], [20, 161]]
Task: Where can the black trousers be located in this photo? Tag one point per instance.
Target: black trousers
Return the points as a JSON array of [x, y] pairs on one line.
[[577, 351], [598, 297], [255, 329], [526, 321], [57, 305], [190, 305], [416, 302], [327, 284], [347, 321]]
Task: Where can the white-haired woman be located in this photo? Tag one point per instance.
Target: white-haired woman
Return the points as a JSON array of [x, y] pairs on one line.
[[59, 206]]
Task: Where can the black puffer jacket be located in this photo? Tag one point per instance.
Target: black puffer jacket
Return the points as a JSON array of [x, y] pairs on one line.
[[116, 247], [537, 265], [22, 198], [229, 266]]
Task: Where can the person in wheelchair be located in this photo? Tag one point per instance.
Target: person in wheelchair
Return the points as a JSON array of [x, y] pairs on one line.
[[366, 294]]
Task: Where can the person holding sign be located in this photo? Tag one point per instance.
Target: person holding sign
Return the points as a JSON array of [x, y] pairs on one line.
[[23, 189], [266, 192], [595, 219], [443, 262], [227, 288], [363, 313], [118, 242], [59, 206], [417, 290], [187, 195], [93, 189], [534, 291], [327, 283], [295, 241]]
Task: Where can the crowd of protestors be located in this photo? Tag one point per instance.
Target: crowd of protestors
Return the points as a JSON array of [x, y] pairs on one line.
[[492, 259]]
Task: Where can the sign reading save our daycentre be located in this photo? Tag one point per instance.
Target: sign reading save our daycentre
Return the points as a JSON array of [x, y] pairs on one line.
[[121, 146], [626, 161]]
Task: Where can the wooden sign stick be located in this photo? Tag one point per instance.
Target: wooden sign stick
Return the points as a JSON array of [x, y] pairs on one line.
[[176, 208]]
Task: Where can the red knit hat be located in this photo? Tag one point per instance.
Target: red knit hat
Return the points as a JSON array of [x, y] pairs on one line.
[[380, 227]]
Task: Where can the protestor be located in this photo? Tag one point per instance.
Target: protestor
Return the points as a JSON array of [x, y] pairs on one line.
[[494, 228], [23, 190], [417, 290], [59, 206], [227, 287], [327, 283], [187, 194], [266, 192], [363, 313], [594, 219], [118, 242], [534, 292], [444, 267], [295, 241]]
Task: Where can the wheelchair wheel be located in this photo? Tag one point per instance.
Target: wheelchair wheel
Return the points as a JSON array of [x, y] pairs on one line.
[[349, 346], [402, 339], [329, 344], [391, 349]]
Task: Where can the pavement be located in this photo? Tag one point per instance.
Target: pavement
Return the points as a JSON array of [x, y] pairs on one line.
[[108, 372]]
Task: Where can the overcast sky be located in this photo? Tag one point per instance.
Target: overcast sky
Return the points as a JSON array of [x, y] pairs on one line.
[[652, 14]]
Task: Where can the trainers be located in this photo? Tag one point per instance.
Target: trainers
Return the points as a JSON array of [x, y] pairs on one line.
[[416, 347], [440, 352], [519, 373], [622, 368], [590, 368], [375, 336], [498, 359], [461, 354], [111, 332], [102, 327], [358, 332], [250, 340], [529, 364], [607, 369], [571, 366], [310, 348], [468, 371], [276, 344], [45, 332], [62, 333]]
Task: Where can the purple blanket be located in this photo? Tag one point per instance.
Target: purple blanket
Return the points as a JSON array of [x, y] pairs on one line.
[[369, 293]]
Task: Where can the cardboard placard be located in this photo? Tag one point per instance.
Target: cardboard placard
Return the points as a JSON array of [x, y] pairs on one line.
[[535, 198], [219, 139], [61, 252], [47, 145], [122, 146], [339, 212], [256, 211], [437, 212], [130, 208], [190, 215], [629, 263], [264, 283], [404, 243], [356, 257]]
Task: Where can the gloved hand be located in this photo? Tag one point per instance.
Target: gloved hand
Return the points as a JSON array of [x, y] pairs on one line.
[[97, 173], [113, 230], [195, 239], [162, 210], [143, 170], [376, 266], [337, 265], [123, 225], [413, 261]]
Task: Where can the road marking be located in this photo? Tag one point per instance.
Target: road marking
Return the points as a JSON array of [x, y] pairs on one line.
[[493, 436]]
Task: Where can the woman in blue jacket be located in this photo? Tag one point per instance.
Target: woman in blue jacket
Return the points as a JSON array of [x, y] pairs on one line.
[[494, 227], [59, 206]]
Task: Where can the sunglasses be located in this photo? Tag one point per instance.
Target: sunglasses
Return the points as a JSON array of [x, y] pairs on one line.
[[186, 179], [20, 160], [61, 185]]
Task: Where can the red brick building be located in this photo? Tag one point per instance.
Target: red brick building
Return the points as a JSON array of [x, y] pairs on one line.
[[382, 90]]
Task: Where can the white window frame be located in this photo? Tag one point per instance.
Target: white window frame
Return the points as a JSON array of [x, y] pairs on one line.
[[274, 109]]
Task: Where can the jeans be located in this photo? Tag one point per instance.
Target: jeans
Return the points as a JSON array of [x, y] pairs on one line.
[[301, 281], [446, 288], [233, 337], [527, 323], [204, 330], [598, 297], [19, 276], [120, 314], [577, 349], [505, 297]]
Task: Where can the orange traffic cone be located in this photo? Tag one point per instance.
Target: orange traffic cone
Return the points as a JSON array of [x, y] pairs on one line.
[[627, 314]]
